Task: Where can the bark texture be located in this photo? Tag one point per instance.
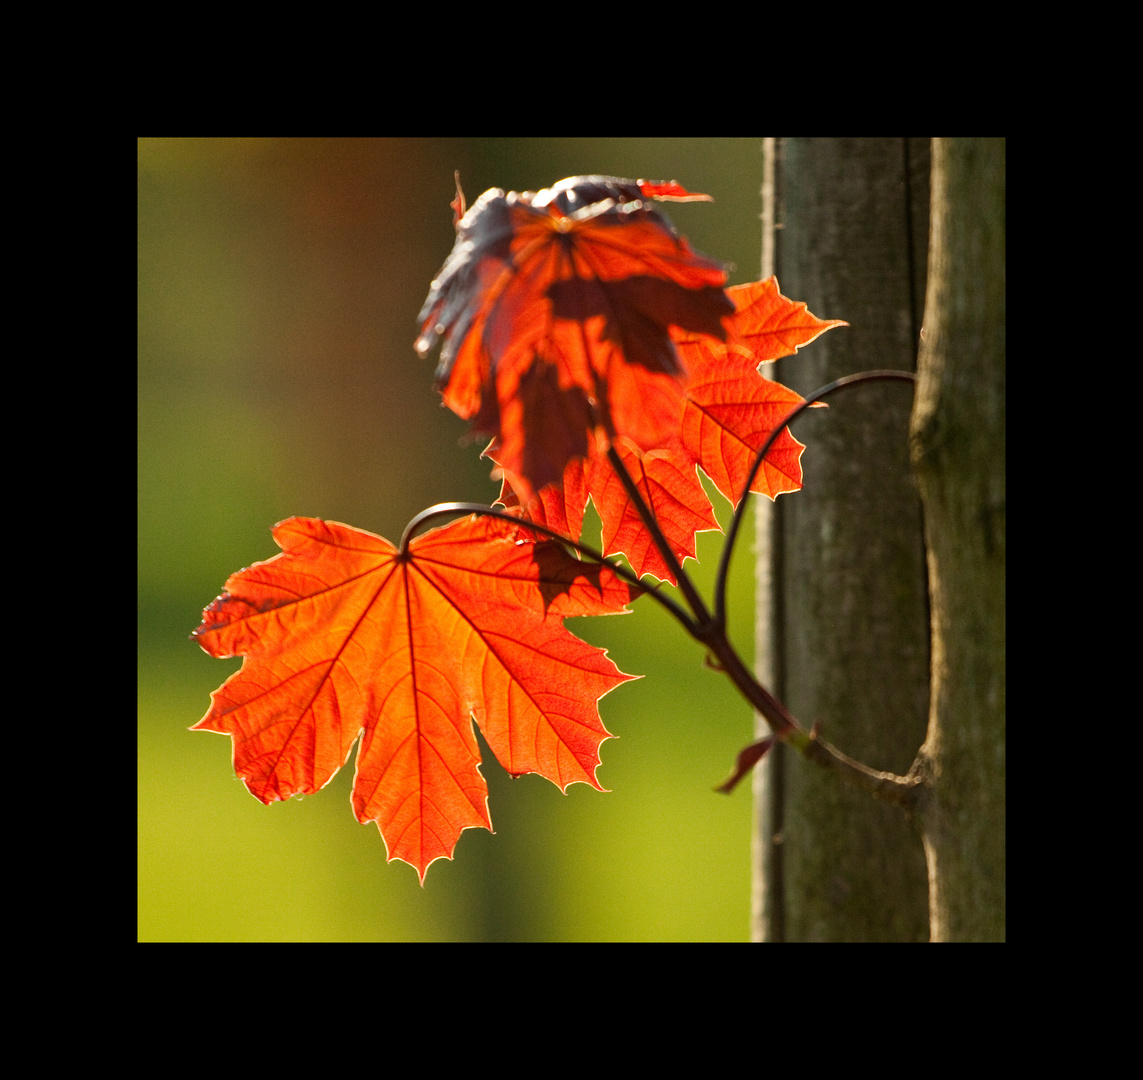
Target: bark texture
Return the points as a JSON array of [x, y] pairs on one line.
[[958, 448], [849, 597]]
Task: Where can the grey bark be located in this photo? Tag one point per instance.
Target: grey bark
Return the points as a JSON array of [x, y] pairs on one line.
[[842, 583]]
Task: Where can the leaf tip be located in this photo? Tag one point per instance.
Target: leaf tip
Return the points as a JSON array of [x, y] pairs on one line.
[[670, 191]]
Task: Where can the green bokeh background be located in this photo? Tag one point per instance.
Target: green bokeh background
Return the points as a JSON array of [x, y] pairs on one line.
[[279, 283]]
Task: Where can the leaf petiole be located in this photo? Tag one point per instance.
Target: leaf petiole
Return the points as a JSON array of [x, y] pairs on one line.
[[686, 586], [448, 509]]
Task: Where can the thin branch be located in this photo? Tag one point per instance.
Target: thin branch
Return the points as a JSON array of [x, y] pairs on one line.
[[904, 791], [736, 521]]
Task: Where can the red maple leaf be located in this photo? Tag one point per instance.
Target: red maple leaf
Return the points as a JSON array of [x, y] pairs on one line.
[[731, 409], [343, 635], [556, 308], [719, 417]]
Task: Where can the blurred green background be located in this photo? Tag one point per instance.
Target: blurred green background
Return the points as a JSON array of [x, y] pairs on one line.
[[279, 284]]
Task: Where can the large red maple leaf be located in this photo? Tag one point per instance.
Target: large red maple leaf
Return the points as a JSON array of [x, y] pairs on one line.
[[344, 635], [556, 309]]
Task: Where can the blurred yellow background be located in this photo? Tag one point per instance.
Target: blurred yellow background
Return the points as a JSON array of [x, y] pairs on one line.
[[279, 284]]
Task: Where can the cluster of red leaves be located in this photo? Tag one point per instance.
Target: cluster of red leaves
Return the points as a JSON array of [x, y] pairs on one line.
[[574, 321], [722, 412]]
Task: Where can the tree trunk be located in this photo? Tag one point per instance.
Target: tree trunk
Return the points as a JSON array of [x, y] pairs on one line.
[[847, 599], [958, 445]]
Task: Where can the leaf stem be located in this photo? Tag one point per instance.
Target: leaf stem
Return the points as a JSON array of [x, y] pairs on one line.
[[686, 585], [448, 509], [820, 394]]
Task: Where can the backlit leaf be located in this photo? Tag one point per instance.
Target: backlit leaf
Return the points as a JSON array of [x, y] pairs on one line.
[[555, 310], [345, 637], [721, 414]]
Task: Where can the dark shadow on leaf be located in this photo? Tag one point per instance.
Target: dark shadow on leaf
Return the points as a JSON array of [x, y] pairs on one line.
[[637, 312]]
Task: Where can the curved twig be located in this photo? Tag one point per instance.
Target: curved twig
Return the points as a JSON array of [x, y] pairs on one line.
[[447, 509], [736, 521]]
